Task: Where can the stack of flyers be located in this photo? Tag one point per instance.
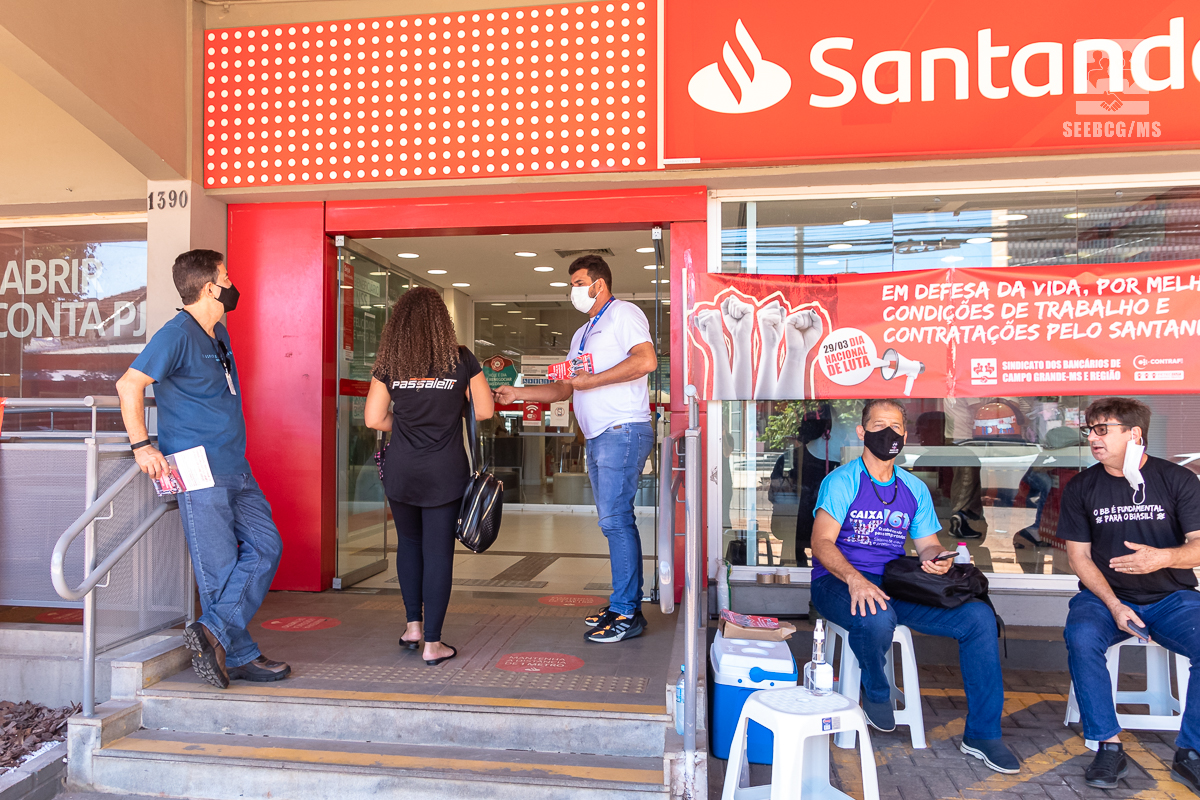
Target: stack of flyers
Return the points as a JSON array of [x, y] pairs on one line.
[[565, 370], [189, 471], [749, 620]]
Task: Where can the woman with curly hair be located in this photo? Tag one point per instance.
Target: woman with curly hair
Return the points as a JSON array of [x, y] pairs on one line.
[[422, 373]]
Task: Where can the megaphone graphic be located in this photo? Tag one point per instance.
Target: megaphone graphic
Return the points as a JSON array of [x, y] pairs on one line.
[[896, 364]]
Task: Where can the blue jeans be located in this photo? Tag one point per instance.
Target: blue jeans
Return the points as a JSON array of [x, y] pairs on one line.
[[615, 460], [972, 624], [235, 549], [1091, 630]]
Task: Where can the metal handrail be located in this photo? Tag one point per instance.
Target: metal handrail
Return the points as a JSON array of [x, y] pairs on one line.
[[691, 589], [57, 559], [668, 498]]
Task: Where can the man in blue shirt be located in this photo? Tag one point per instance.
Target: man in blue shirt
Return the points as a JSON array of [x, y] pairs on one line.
[[234, 544], [866, 510]]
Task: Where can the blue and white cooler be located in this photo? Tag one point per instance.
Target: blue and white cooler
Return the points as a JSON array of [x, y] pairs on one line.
[[742, 667]]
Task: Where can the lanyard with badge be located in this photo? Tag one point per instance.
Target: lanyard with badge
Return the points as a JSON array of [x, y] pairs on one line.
[[222, 355], [592, 324]]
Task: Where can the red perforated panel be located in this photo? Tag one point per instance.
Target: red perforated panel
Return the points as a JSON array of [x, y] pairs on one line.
[[546, 90]]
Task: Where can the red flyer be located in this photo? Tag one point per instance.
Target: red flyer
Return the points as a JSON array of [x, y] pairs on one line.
[[565, 370]]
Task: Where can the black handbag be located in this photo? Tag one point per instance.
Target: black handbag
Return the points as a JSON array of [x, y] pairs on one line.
[[903, 579], [483, 501]]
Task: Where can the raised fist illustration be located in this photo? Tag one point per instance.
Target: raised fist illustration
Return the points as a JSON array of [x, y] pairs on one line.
[[739, 319], [770, 333], [802, 330], [708, 326]]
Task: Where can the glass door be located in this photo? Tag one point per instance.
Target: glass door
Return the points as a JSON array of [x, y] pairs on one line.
[[367, 291]]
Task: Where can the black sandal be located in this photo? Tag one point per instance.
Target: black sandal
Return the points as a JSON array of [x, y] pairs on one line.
[[433, 662], [405, 643]]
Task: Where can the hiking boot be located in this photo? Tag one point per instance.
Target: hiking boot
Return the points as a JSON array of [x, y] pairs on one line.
[[1109, 764], [208, 655], [617, 628], [993, 753], [1186, 768], [260, 670], [880, 716]]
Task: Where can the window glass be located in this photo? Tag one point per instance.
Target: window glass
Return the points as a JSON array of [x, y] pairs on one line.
[[72, 313]]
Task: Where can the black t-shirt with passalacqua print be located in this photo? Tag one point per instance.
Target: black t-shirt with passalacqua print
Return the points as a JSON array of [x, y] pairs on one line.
[[1099, 508], [426, 463]]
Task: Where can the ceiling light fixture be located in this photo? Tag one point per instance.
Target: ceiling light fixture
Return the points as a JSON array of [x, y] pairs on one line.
[[558, 284], [1013, 217], [854, 223], [525, 254], [1075, 215], [379, 273], [497, 304], [529, 319], [650, 266], [557, 333], [543, 269], [979, 240], [645, 250], [344, 286], [543, 324], [460, 285], [407, 255], [436, 271], [516, 311], [840, 246]]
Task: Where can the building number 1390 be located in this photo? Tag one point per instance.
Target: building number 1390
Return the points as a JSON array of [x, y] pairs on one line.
[[171, 199]]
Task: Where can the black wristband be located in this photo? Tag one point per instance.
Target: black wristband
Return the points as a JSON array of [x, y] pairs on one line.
[[139, 444]]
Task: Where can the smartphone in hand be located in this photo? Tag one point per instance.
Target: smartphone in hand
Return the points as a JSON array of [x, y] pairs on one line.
[[1141, 631], [944, 556]]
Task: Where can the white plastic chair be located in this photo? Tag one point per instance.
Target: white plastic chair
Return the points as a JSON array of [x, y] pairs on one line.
[[1166, 710], [850, 676], [801, 723]]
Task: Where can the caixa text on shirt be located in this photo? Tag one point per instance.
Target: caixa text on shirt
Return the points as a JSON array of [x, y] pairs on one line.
[[893, 519], [425, 383]]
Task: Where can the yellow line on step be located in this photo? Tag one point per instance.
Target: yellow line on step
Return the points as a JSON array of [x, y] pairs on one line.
[[341, 758], [268, 692]]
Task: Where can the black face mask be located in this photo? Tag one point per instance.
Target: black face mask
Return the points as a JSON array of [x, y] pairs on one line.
[[229, 297], [885, 444]]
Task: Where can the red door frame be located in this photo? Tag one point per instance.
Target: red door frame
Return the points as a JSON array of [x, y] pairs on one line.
[[282, 257]]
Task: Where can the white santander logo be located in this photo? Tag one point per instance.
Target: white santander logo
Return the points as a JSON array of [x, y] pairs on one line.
[[741, 81]]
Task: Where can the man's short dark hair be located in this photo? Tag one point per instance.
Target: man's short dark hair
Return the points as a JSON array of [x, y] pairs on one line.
[[1125, 410], [192, 270], [871, 404], [597, 268]]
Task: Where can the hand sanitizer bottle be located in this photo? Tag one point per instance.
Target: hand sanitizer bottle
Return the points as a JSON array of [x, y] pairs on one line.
[[818, 675], [679, 690], [962, 555]]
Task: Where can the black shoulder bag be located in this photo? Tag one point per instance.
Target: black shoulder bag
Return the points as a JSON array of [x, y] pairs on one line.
[[903, 579], [483, 501]]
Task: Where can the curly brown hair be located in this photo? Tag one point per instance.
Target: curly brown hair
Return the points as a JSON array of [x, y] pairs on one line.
[[419, 339]]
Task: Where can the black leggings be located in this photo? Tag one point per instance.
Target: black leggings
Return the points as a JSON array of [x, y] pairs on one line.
[[425, 561]]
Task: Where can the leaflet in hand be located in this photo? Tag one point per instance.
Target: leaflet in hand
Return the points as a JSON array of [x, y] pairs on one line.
[[565, 370], [189, 471]]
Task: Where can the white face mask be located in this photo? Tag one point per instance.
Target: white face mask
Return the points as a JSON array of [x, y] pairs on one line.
[[1130, 468], [580, 299]]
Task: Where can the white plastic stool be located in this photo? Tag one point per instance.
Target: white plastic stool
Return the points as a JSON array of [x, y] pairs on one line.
[[800, 722], [1166, 710], [850, 676]]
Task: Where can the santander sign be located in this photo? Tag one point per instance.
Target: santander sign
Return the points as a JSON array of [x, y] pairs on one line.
[[781, 82]]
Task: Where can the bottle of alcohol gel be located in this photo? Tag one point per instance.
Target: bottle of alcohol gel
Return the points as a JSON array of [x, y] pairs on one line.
[[818, 675], [679, 690], [963, 556]]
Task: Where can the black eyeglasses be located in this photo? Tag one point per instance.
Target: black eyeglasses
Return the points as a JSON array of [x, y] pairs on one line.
[[1100, 429]]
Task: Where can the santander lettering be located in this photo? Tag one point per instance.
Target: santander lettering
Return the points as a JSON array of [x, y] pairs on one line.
[[1035, 69]]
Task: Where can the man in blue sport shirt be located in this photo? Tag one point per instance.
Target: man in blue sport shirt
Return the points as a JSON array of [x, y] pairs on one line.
[[232, 539], [865, 511]]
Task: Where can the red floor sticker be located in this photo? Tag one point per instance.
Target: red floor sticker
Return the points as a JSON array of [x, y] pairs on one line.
[[539, 662], [571, 600], [66, 616], [301, 623]]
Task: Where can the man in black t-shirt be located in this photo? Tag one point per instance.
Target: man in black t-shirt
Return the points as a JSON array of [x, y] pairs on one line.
[[1132, 527]]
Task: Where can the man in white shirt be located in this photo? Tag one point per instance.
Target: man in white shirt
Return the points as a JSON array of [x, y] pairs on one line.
[[612, 406]]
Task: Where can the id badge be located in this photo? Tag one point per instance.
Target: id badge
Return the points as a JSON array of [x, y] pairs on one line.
[[229, 381]]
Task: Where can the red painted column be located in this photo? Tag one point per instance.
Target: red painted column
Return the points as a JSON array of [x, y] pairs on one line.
[[689, 248], [282, 332]]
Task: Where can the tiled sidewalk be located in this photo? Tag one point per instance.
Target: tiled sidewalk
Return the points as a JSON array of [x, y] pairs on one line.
[[1053, 756]]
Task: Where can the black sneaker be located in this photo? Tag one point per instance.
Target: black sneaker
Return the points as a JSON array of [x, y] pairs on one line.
[[1186, 768], [616, 629], [994, 754], [1109, 765], [601, 616], [881, 716]]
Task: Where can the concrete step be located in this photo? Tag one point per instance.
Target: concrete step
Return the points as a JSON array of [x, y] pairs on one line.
[[214, 766], [280, 710]]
